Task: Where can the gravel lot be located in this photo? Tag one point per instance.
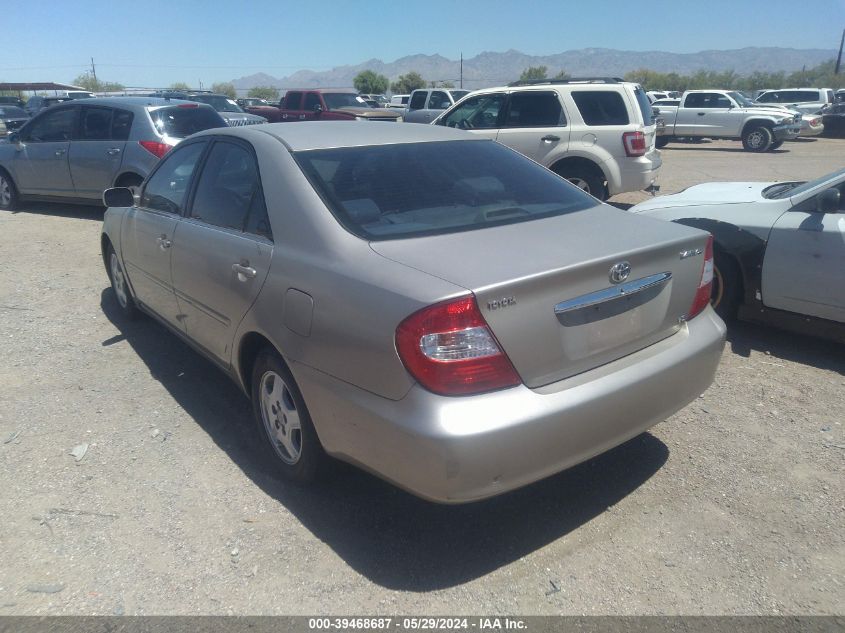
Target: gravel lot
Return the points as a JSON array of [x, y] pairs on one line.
[[733, 506]]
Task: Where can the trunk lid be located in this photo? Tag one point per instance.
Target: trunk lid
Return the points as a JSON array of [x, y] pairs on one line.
[[544, 286]]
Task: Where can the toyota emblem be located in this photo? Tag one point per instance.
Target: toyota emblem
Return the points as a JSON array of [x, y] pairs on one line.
[[619, 272]]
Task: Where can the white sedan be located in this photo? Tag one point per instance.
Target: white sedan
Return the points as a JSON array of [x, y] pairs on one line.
[[779, 248]]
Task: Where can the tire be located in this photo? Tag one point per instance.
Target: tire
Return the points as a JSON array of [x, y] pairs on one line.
[[120, 287], [8, 192], [775, 145], [757, 138], [284, 425], [131, 181], [726, 294], [585, 179], [662, 141]]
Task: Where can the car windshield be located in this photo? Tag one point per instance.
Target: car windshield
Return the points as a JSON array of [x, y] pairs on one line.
[[182, 121], [741, 99], [219, 103], [337, 100], [405, 190], [12, 112], [789, 189]]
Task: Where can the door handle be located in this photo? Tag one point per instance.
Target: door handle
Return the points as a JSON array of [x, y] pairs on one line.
[[550, 138], [163, 242], [701, 113], [61, 152], [244, 270], [113, 151]]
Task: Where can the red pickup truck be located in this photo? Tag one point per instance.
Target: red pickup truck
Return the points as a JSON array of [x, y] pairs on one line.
[[323, 104]]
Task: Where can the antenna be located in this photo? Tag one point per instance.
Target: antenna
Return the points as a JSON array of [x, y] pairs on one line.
[[839, 59]]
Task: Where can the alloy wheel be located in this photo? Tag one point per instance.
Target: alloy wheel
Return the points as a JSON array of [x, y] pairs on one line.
[[280, 417]]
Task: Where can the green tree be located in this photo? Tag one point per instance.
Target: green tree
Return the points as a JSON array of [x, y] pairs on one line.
[[225, 88], [179, 85], [88, 82], [408, 83], [534, 73], [369, 82], [264, 92]]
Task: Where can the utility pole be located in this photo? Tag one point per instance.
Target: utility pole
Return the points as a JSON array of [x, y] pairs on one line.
[[462, 65], [839, 59], [94, 71]]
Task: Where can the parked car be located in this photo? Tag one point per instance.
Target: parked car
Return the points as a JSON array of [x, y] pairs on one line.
[[251, 101], [324, 104], [810, 124], [76, 150], [13, 117], [36, 103], [779, 248], [12, 101], [656, 95], [227, 108], [807, 100], [597, 133], [728, 114], [355, 281], [399, 101], [427, 104], [380, 100], [834, 120]]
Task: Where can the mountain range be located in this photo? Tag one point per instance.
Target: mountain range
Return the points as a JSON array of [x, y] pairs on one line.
[[491, 68]]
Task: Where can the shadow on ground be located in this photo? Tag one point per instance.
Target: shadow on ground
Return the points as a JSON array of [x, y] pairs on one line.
[[83, 212], [394, 539], [705, 148], [745, 337]]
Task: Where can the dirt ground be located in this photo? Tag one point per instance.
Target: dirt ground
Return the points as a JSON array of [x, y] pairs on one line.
[[735, 505]]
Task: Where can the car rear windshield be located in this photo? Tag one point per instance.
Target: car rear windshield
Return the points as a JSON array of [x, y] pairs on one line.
[[645, 106], [180, 121], [12, 112], [405, 190]]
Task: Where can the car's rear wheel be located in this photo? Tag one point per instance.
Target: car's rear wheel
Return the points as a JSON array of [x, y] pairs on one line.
[[284, 424], [727, 287], [8, 192], [662, 141], [585, 179], [119, 285], [757, 138]]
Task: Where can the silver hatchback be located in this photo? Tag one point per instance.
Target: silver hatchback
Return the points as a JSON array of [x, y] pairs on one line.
[[76, 150], [425, 303]]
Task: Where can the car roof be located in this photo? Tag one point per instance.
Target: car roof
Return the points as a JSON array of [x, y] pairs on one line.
[[134, 101], [308, 135]]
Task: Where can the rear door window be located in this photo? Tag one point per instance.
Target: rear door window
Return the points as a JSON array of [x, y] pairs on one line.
[[121, 124], [533, 108], [601, 107], [439, 100], [167, 187], [182, 121], [95, 124], [229, 190]]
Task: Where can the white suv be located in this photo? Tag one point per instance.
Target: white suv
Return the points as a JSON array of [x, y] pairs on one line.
[[806, 100], [598, 133]]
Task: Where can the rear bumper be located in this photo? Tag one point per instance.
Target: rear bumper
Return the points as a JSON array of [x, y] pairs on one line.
[[455, 450], [636, 174]]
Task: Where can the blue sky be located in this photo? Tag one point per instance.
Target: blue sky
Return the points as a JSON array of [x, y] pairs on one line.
[[154, 43]]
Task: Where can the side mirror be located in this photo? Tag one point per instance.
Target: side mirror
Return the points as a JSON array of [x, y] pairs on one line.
[[828, 201], [318, 109], [14, 138], [118, 197]]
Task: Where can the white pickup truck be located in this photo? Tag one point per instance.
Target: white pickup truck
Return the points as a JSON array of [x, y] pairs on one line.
[[727, 114]]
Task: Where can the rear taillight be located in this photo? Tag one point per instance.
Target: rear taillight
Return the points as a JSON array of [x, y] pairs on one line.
[[705, 284], [449, 349], [634, 143], [155, 148]]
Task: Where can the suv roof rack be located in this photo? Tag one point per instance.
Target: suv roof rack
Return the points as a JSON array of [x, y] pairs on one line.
[[571, 80]]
